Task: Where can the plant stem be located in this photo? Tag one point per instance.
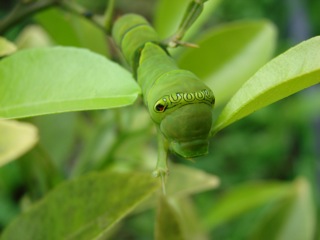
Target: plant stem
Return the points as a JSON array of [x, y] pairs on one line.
[[191, 15], [21, 10], [108, 15]]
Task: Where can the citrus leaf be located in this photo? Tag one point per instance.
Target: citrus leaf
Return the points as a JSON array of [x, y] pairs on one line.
[[225, 63], [61, 79], [16, 138], [292, 71], [83, 208]]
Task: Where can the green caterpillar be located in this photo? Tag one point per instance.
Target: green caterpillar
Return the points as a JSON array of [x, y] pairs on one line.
[[178, 102]]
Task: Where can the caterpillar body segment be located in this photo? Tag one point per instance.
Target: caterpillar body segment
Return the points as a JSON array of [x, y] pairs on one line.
[[177, 101]]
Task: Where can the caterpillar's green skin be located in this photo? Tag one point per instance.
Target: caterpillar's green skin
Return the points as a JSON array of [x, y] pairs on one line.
[[178, 102]]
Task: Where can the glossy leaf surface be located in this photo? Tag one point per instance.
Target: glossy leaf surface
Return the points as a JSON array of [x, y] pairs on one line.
[[292, 71], [61, 79]]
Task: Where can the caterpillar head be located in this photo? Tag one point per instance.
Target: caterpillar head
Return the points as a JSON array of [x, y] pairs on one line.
[[187, 129]]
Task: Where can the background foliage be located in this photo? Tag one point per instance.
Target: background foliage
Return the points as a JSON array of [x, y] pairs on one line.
[[268, 163]]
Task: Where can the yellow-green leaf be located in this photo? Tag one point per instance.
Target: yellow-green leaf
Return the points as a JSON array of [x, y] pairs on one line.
[[16, 138], [33, 36], [6, 47], [292, 71], [60, 79]]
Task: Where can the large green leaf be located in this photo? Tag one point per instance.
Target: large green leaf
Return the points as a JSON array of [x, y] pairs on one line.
[[292, 71], [61, 79], [229, 55], [84, 208], [16, 138], [169, 14]]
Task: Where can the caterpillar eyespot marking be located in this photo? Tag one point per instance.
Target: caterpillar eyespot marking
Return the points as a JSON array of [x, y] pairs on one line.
[[177, 99], [160, 108]]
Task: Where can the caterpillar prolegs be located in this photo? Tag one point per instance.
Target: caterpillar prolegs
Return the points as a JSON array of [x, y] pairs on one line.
[[178, 102]]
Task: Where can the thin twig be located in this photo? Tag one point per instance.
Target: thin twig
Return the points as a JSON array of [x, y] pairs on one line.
[[22, 10], [192, 13]]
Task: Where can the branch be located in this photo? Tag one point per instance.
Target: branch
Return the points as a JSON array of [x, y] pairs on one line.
[[22, 10]]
